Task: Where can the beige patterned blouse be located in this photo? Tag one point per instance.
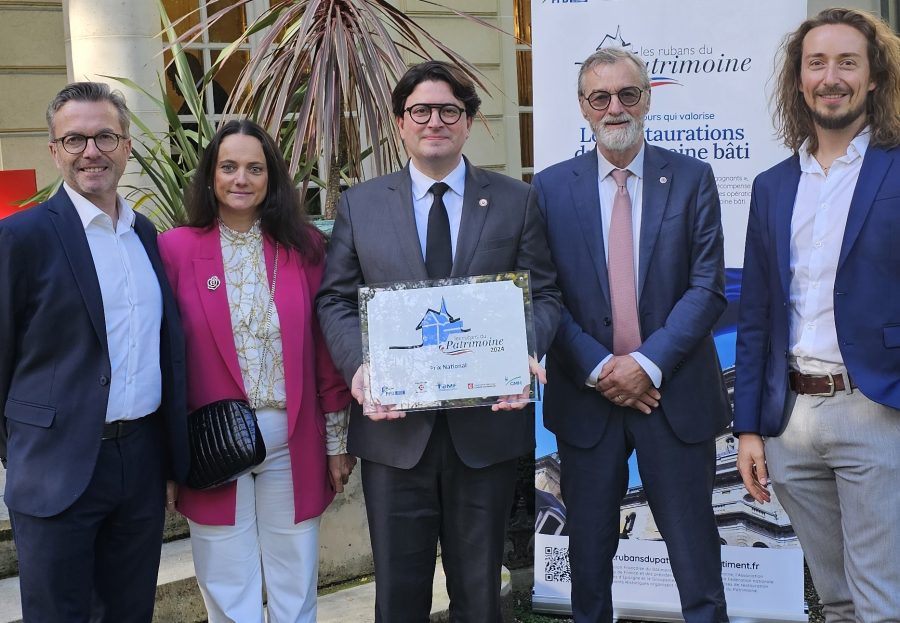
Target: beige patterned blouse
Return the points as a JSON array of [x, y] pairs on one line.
[[247, 286]]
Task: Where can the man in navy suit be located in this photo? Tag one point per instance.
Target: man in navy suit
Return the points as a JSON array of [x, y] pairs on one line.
[[91, 379], [636, 236], [818, 354]]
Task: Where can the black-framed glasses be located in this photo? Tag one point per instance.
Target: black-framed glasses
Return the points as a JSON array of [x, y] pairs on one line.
[[421, 113], [629, 96], [77, 143]]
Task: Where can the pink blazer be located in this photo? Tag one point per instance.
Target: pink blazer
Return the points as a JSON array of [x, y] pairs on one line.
[[191, 257]]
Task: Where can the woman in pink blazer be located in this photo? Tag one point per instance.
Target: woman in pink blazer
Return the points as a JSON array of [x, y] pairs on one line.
[[244, 220]]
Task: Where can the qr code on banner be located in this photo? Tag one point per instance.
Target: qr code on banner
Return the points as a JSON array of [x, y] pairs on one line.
[[556, 564]]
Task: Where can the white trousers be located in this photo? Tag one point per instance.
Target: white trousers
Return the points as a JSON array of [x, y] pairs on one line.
[[835, 470], [230, 561]]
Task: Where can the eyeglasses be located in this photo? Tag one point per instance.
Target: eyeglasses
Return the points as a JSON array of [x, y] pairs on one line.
[[77, 143], [629, 96], [421, 113]]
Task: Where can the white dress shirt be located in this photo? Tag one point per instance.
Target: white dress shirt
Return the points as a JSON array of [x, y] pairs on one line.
[[132, 309], [817, 232], [453, 201], [608, 189]]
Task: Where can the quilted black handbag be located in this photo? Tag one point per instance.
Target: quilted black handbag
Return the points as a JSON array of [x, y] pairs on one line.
[[225, 443], [224, 436]]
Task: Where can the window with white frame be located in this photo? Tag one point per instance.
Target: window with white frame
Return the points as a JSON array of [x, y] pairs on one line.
[[522, 31], [204, 51]]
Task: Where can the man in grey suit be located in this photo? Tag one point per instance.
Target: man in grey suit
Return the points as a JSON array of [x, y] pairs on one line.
[[435, 476], [635, 230]]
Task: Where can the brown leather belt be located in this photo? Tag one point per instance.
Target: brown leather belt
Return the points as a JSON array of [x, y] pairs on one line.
[[817, 384]]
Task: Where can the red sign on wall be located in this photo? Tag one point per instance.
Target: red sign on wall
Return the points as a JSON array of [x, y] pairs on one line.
[[15, 186]]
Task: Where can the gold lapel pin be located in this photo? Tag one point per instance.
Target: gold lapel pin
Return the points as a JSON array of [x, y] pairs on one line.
[[482, 203], [213, 282], [663, 179]]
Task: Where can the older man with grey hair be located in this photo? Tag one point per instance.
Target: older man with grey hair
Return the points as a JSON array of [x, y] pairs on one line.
[[636, 235]]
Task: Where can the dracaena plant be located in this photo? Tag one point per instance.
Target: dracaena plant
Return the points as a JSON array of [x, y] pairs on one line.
[[320, 79], [170, 160]]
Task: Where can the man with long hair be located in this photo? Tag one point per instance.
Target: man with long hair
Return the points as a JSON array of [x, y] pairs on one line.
[[818, 352]]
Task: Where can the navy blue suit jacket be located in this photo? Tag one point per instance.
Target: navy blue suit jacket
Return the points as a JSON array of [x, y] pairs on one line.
[[866, 291], [680, 294], [54, 363]]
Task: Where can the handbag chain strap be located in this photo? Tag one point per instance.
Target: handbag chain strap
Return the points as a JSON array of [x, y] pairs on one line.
[[267, 322]]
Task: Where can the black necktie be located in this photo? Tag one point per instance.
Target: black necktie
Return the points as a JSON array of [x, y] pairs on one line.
[[438, 253]]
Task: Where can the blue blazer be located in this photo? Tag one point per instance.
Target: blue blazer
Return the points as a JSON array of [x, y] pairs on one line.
[[681, 294], [54, 362], [866, 292]]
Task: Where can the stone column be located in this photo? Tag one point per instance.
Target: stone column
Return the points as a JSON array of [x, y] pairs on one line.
[[117, 38]]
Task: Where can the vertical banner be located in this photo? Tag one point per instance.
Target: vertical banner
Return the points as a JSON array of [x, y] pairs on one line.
[[711, 66]]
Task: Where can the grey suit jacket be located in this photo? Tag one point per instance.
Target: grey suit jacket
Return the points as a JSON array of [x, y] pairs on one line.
[[375, 241]]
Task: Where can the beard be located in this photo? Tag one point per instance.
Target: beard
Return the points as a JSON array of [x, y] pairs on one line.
[[839, 121], [621, 138]]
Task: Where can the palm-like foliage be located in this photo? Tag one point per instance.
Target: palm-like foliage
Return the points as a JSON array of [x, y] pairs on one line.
[[169, 170], [169, 160], [321, 80]]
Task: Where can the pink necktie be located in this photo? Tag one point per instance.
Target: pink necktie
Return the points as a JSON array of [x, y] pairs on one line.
[[620, 264]]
